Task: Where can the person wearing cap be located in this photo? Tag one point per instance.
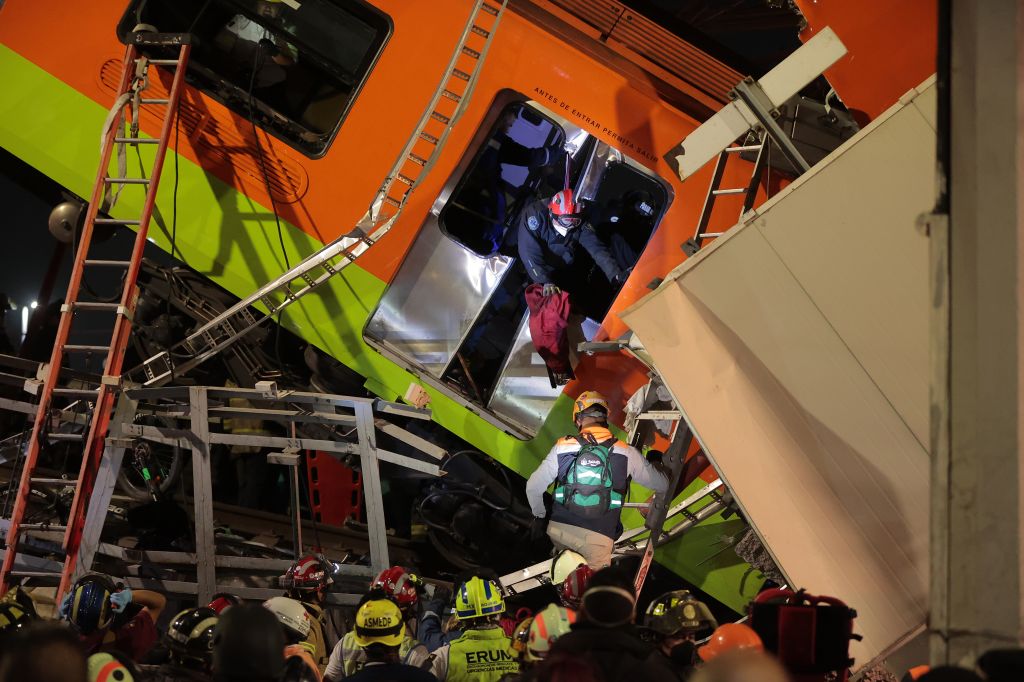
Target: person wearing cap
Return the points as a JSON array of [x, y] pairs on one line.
[[351, 654], [380, 631], [605, 633], [592, 472], [484, 652]]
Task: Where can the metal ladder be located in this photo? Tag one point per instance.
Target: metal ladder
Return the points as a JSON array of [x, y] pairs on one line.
[[100, 394], [759, 145], [414, 162]]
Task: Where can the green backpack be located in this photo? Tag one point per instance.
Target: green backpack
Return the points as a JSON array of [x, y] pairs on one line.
[[587, 487]]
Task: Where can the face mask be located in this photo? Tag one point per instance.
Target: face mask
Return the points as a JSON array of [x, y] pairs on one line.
[[683, 654]]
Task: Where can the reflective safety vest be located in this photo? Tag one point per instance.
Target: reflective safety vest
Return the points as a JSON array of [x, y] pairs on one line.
[[315, 641], [481, 656], [410, 651]]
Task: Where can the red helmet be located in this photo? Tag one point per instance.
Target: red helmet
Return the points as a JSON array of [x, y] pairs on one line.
[[575, 584], [398, 584], [307, 574], [222, 601], [564, 210]]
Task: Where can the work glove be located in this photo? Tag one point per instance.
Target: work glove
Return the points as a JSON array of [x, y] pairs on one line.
[[538, 529], [64, 612], [550, 290], [120, 600]]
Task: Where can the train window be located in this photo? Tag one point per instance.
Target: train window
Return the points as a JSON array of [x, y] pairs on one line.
[[521, 157], [294, 68]]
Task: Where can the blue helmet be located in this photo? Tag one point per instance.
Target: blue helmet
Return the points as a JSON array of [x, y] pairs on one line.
[[89, 609]]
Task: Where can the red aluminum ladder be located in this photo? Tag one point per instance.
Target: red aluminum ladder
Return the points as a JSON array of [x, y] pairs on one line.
[[135, 74]]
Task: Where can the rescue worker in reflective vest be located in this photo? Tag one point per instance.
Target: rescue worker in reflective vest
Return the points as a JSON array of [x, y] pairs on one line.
[[349, 656], [549, 232], [591, 473], [380, 631], [484, 652]]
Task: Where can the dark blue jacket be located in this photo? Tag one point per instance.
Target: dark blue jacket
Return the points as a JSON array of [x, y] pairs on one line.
[[544, 252]]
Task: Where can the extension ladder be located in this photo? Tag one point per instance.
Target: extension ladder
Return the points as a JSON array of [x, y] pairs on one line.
[[413, 163], [760, 145], [101, 394]]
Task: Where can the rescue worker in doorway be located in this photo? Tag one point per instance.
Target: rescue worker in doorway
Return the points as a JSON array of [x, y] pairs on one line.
[[484, 652], [591, 472], [549, 232]]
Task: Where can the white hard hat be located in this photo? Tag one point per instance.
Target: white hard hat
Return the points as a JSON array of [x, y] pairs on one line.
[[291, 614]]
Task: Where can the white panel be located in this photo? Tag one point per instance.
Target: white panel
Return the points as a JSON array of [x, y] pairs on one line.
[[800, 68], [848, 234], [714, 135], [798, 345]]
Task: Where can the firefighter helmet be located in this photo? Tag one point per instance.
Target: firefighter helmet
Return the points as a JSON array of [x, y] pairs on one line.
[[223, 601], [379, 621], [292, 615], [571, 590], [564, 210], [110, 667], [520, 636], [678, 612], [548, 625], [398, 584], [589, 403], [478, 598], [89, 608], [728, 637], [308, 574], [190, 635], [13, 617]]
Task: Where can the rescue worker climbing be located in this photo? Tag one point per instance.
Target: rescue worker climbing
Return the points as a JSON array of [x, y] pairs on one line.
[[349, 656], [549, 232], [591, 472], [484, 652]]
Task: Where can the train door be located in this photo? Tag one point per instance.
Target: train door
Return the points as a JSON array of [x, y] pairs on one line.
[[455, 314]]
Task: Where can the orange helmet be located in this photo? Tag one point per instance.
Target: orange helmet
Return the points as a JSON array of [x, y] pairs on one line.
[[729, 637], [587, 401]]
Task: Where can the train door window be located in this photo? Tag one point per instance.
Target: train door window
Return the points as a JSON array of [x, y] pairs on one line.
[[518, 160], [294, 68]]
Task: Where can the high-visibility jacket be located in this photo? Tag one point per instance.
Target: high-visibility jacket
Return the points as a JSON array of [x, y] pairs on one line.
[[481, 655], [348, 657]]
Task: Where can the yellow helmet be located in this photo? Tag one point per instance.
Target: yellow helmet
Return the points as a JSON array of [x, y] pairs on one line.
[[379, 621], [478, 598], [520, 636], [586, 401]]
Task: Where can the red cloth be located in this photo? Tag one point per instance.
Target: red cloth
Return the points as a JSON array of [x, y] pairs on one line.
[[134, 639], [549, 323]]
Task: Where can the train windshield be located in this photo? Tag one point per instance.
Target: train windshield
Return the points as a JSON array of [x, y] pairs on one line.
[[293, 68]]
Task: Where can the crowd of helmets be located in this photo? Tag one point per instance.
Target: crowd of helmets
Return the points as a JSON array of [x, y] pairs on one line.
[[403, 629]]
